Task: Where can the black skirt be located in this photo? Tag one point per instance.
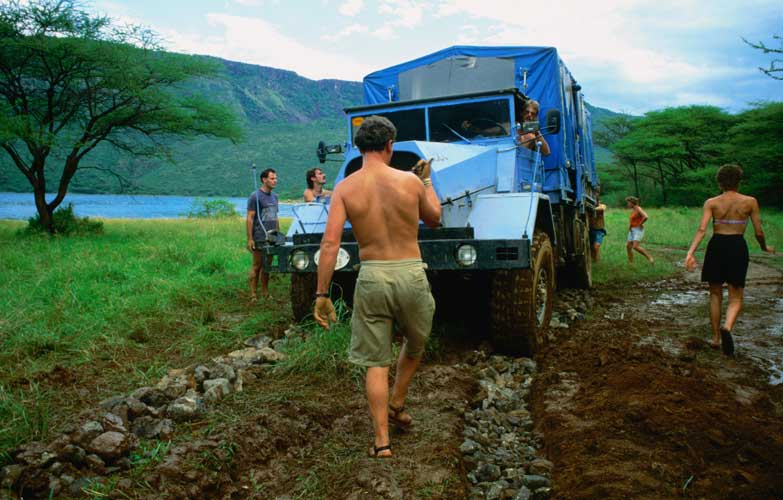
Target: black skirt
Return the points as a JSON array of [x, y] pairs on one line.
[[726, 260]]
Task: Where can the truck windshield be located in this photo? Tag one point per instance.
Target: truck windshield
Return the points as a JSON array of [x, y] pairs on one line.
[[409, 123], [470, 120]]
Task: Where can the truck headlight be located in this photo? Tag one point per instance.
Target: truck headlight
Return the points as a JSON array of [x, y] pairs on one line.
[[300, 260], [466, 255], [343, 258]]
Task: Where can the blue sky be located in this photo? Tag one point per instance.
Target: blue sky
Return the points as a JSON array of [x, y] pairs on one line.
[[630, 55]]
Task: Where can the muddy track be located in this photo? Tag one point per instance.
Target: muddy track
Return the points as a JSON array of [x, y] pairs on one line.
[[635, 404], [629, 402]]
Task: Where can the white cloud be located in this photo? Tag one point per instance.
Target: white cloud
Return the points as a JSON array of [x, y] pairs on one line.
[[405, 13], [351, 8], [249, 3], [385, 33], [346, 32], [257, 41], [610, 40]]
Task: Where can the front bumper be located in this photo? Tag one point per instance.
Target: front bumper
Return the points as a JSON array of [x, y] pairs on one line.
[[438, 251]]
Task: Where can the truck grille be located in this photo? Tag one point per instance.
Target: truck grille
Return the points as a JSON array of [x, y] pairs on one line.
[[506, 253]]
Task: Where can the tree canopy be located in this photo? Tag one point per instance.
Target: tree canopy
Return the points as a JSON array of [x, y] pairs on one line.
[[70, 80], [678, 150]]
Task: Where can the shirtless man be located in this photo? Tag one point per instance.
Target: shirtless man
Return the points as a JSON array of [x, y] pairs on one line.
[[726, 259], [384, 206], [315, 192], [597, 229]]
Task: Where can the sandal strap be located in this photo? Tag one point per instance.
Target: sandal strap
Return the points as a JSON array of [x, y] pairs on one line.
[[378, 449], [397, 411]]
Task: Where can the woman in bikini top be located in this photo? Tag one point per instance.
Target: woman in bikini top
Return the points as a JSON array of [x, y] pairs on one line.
[[726, 259]]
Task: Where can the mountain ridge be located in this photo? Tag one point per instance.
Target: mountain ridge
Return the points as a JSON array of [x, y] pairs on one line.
[[284, 114]]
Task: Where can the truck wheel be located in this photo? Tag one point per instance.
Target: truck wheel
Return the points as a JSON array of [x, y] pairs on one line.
[[342, 287], [522, 301], [303, 287], [581, 269]]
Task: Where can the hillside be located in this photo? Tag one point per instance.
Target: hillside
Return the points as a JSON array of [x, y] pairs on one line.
[[285, 115]]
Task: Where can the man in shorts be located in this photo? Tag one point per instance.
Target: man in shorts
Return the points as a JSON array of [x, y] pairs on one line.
[[384, 206], [597, 230], [262, 208]]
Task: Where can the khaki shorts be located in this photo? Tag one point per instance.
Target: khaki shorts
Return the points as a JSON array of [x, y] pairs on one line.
[[387, 293]]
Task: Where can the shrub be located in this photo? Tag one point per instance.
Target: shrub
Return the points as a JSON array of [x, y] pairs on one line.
[[205, 208], [65, 223]]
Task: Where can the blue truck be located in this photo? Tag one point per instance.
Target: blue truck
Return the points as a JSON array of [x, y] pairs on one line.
[[514, 223]]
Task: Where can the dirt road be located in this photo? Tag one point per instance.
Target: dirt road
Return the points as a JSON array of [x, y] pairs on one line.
[[629, 402], [634, 404]]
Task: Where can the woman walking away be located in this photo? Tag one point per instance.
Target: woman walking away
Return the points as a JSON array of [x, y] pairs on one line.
[[636, 230], [726, 259]]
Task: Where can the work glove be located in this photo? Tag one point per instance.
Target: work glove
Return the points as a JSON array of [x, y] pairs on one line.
[[423, 169], [323, 312]]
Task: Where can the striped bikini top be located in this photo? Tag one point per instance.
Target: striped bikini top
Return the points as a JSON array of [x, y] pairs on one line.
[[729, 221]]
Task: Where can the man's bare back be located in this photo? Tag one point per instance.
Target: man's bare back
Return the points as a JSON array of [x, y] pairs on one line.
[[383, 205]]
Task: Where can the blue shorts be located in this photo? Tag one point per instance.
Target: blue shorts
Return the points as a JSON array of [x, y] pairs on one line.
[[597, 236]]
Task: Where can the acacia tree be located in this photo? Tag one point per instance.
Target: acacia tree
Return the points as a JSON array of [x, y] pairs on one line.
[[665, 144], [756, 146], [70, 80], [775, 69], [611, 132]]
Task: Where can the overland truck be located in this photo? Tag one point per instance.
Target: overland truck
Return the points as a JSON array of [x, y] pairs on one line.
[[514, 222]]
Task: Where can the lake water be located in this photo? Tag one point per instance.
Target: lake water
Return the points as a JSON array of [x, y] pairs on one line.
[[117, 206]]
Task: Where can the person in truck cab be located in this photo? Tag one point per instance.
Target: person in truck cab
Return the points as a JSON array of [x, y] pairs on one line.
[[384, 206], [530, 114]]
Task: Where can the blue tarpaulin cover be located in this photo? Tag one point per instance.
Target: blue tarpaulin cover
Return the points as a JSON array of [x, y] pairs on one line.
[[536, 71]]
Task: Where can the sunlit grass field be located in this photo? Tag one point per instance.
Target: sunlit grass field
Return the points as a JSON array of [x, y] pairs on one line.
[[123, 307], [667, 235], [145, 296]]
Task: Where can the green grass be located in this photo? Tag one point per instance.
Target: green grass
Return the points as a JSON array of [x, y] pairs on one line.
[[115, 311], [144, 297], [670, 228]]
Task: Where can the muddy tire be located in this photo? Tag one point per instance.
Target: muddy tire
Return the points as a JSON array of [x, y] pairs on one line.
[[521, 304], [303, 287], [580, 271], [343, 286]]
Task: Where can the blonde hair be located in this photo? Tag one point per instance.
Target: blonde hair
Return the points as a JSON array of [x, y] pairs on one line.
[[632, 199]]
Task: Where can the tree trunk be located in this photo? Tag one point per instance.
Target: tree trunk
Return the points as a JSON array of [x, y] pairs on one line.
[[635, 179], [663, 182], [44, 213]]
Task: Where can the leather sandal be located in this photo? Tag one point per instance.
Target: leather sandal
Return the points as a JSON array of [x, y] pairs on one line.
[[375, 450], [398, 417], [726, 342]]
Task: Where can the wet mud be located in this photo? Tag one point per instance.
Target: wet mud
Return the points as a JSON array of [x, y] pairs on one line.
[[634, 403]]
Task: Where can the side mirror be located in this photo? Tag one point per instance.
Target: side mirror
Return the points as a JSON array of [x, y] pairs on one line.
[[552, 121], [321, 152], [324, 150]]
